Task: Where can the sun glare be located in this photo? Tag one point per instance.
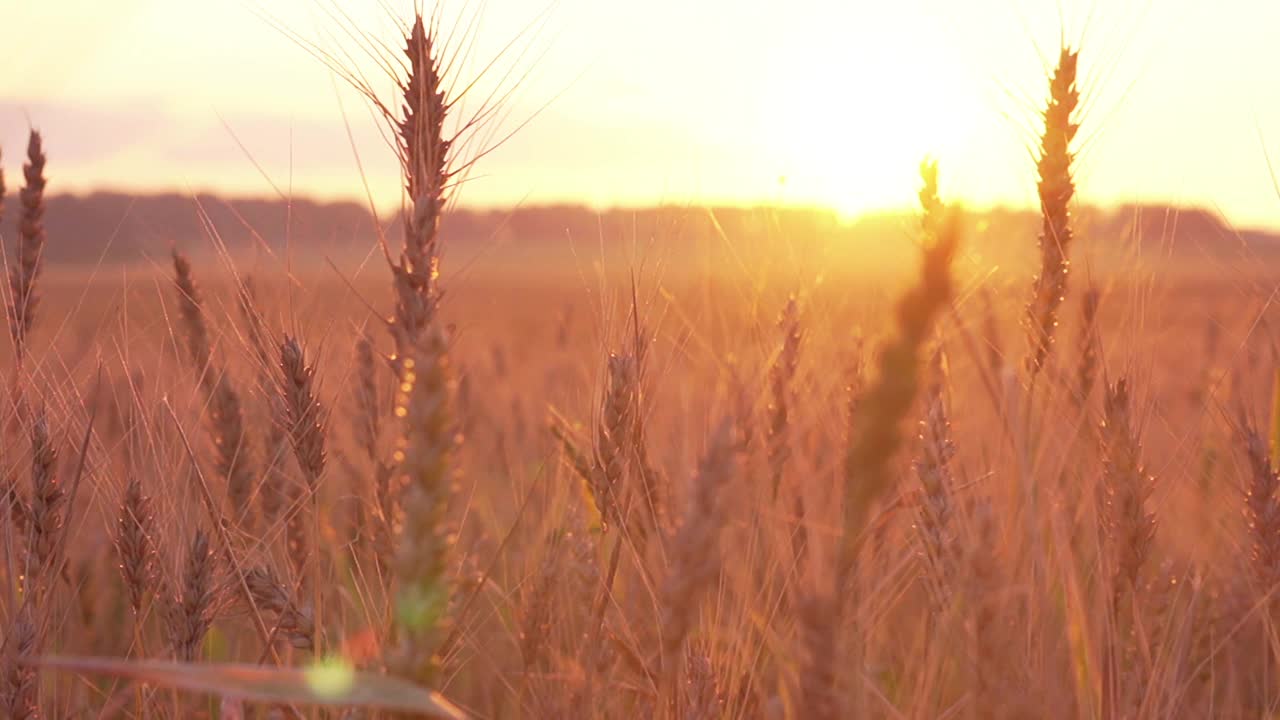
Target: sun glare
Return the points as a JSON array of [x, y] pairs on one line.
[[853, 140]]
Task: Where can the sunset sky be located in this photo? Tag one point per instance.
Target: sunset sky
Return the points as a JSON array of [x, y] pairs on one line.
[[679, 101]]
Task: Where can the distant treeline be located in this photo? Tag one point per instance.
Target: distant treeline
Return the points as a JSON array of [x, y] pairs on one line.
[[119, 228]]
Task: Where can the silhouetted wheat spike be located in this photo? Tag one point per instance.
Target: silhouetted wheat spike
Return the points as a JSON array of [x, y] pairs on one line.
[[294, 623], [135, 543], [1129, 530], [424, 448], [15, 510], [933, 469], [537, 606], [624, 486], [1125, 487], [226, 419], [877, 433], [818, 612], [47, 501], [297, 529], [24, 273], [305, 420], [19, 686], [276, 488], [1088, 371], [368, 421], [695, 552], [930, 203], [702, 698], [191, 311], [426, 151], [193, 608], [608, 476], [1056, 188], [652, 490], [818, 609], [424, 157], [302, 409], [781, 393], [1262, 509], [232, 441]]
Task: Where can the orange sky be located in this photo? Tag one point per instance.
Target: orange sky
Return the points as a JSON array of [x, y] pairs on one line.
[[684, 101]]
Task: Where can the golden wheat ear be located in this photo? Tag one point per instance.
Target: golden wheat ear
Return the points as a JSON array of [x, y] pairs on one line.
[[293, 621], [876, 433], [1262, 509], [1056, 189], [191, 611], [1089, 345], [25, 271], [227, 429], [306, 419], [781, 376], [695, 552], [20, 692], [48, 506], [427, 439], [933, 469], [135, 544]]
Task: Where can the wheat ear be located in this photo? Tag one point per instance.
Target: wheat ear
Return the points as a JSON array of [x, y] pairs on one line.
[[31, 240], [1056, 188], [876, 434]]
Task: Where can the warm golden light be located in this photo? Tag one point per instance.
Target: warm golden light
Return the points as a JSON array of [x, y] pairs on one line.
[[664, 359], [842, 100]]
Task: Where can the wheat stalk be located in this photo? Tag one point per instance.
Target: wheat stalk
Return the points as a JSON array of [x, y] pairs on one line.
[[985, 624], [367, 426], [424, 454]]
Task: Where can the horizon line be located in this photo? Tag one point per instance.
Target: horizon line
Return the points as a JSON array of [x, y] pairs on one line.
[[717, 204]]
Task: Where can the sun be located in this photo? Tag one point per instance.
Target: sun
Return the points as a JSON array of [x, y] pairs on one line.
[[851, 135]]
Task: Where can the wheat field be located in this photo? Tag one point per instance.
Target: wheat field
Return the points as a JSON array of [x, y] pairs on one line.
[[723, 481]]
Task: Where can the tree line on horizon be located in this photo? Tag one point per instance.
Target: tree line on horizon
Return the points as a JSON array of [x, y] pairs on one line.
[[122, 228]]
